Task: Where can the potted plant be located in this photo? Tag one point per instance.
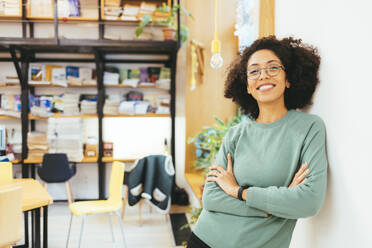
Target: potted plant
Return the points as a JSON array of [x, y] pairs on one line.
[[208, 141], [169, 23]]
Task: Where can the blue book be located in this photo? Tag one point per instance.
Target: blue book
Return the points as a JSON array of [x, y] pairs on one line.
[[74, 8], [72, 71]]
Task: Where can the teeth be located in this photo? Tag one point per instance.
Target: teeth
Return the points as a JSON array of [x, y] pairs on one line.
[[267, 86]]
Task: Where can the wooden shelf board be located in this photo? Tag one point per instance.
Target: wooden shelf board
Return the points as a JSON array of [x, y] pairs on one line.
[[10, 16], [145, 115], [40, 160], [7, 117], [85, 160], [128, 86], [195, 180], [59, 86], [7, 85], [63, 19], [81, 86], [111, 159], [31, 117]]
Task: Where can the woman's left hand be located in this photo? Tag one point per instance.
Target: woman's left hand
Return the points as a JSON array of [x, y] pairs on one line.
[[224, 178]]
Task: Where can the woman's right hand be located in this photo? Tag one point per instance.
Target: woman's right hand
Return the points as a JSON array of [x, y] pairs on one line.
[[300, 175]]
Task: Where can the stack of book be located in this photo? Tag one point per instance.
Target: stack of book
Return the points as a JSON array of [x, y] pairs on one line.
[[69, 104], [163, 105], [65, 136], [12, 80], [37, 144], [130, 77], [113, 9], [40, 8], [88, 107], [10, 7], [10, 105], [146, 9], [14, 141], [41, 105], [112, 103], [164, 79], [111, 107], [160, 16], [130, 12], [111, 76]]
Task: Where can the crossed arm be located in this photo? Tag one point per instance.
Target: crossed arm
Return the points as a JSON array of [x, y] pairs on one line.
[[300, 199]]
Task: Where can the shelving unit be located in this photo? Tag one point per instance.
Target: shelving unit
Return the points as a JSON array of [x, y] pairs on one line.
[[23, 51]]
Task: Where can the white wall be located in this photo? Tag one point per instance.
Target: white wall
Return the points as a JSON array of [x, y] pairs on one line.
[[341, 30]]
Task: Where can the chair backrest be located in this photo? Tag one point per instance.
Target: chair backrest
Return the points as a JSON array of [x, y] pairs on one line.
[[116, 181], [6, 173], [55, 168], [10, 215]]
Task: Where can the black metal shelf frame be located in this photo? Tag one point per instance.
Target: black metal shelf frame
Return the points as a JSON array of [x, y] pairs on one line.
[[22, 53]]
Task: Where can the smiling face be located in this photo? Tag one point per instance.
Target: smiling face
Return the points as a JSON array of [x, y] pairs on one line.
[[266, 86]]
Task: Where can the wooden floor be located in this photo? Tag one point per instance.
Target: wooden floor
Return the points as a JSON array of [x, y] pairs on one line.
[[154, 232]]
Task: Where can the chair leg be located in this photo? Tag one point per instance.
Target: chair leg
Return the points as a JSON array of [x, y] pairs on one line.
[[69, 230], [71, 195], [70, 199], [112, 230], [125, 200], [44, 184], [140, 212], [81, 230], [122, 229]]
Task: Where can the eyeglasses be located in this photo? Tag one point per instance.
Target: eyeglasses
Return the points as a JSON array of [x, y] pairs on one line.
[[271, 71]]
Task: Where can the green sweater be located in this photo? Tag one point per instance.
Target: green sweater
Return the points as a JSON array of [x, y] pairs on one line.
[[266, 156]]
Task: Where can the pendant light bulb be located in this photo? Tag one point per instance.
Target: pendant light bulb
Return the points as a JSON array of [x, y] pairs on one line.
[[216, 61]]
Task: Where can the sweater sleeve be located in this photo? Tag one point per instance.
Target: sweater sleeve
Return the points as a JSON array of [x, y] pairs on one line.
[[303, 200], [215, 199]]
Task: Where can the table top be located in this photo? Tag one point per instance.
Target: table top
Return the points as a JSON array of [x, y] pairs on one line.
[[34, 195]]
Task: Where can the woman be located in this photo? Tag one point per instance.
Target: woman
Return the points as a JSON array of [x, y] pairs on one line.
[[272, 168]]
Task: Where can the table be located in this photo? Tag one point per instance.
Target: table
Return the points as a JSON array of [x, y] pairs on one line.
[[34, 197]]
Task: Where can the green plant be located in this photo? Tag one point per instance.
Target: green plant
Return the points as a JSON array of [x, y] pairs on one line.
[[170, 21], [194, 215], [209, 140]]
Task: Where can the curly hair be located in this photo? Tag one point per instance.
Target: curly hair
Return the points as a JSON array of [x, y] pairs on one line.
[[301, 63]]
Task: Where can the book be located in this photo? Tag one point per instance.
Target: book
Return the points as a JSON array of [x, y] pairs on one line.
[[59, 76], [144, 75], [48, 71], [37, 74], [72, 75], [134, 74], [74, 8], [154, 73]]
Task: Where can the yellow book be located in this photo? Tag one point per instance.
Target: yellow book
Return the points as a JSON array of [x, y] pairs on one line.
[[48, 72]]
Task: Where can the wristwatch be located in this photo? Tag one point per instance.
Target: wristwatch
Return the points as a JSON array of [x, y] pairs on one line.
[[240, 191]]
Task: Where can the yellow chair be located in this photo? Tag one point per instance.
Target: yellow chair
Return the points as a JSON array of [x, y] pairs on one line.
[[6, 173], [10, 215], [111, 205]]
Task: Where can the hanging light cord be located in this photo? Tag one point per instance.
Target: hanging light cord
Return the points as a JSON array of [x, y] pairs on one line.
[[215, 19]]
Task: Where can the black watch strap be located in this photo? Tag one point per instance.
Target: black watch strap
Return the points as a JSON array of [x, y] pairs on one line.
[[240, 191]]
